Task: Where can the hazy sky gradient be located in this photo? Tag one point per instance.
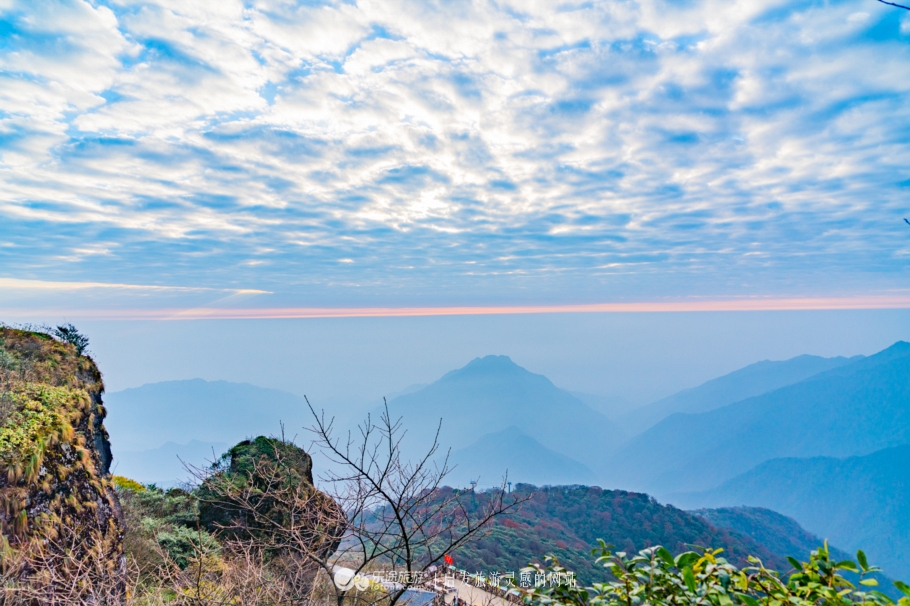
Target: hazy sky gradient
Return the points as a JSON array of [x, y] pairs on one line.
[[451, 153], [356, 361]]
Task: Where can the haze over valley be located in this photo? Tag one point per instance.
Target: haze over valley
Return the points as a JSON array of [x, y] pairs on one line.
[[734, 440]]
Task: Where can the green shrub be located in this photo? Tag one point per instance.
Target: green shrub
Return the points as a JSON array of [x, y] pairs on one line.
[[161, 525], [122, 483], [654, 576], [183, 544], [68, 334]]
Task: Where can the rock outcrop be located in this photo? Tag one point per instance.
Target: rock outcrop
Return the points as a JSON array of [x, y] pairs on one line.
[[60, 519], [262, 494]]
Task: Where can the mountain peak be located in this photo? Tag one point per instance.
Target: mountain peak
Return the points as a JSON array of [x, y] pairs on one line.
[[491, 362], [487, 366], [898, 351], [899, 347]]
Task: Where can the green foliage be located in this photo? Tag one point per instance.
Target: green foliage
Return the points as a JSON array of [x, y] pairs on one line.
[[37, 357], [59, 519], [183, 544], [295, 463], [38, 417], [8, 361], [241, 497], [654, 576], [261, 493], [162, 524], [175, 507], [567, 521], [68, 334], [123, 483]]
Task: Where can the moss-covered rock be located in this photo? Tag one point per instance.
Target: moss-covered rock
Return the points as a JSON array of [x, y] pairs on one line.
[[261, 493], [56, 498]]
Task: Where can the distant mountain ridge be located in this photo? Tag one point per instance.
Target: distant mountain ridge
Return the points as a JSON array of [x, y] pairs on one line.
[[853, 409], [166, 465], [523, 458], [151, 425], [858, 502], [146, 417], [752, 380], [493, 393]]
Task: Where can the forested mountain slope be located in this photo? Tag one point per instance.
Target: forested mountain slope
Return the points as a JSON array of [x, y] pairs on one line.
[[568, 520], [856, 502], [854, 409], [779, 533]]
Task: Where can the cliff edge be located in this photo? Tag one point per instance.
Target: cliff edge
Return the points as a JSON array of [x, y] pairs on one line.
[[59, 515]]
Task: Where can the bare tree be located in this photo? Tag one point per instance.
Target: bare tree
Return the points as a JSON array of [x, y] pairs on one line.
[[58, 571], [400, 514], [242, 574], [381, 515]]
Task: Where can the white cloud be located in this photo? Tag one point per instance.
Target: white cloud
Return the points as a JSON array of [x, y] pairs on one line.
[[32, 285], [560, 138]]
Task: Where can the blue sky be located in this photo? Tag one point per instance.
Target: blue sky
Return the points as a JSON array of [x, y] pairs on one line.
[[453, 153]]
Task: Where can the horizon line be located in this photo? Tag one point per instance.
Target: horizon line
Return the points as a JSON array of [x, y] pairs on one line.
[[287, 313]]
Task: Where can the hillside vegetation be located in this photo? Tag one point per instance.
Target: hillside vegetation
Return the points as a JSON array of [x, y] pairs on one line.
[[567, 521], [780, 534], [255, 529]]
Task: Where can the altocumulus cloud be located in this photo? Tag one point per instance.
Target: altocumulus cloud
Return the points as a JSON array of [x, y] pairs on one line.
[[457, 152]]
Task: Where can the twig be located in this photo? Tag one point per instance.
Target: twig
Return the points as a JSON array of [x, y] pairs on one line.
[[906, 8]]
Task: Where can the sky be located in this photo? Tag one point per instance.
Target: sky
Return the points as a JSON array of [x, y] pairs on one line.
[[343, 155], [348, 364], [373, 193]]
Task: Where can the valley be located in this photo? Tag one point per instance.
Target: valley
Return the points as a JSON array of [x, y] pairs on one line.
[[784, 436]]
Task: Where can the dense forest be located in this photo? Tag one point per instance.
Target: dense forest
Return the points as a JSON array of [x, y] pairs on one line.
[[567, 521]]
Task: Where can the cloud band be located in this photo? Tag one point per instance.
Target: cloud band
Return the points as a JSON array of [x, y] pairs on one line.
[[898, 301]]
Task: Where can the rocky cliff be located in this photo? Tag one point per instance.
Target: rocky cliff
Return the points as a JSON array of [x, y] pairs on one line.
[[60, 518], [262, 494]]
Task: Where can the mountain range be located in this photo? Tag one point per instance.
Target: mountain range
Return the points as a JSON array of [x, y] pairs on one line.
[[853, 409], [857, 502], [823, 440], [567, 521], [169, 464], [512, 454], [493, 394], [146, 417], [752, 380]]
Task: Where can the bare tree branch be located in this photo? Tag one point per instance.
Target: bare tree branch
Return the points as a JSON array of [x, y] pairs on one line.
[[379, 512], [906, 8]]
